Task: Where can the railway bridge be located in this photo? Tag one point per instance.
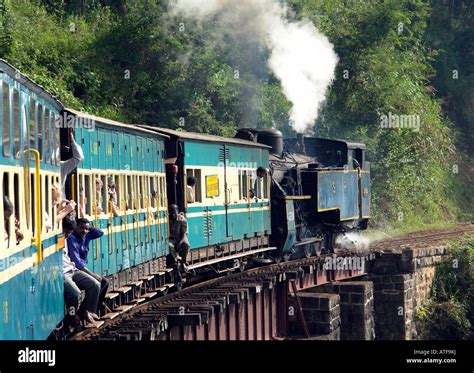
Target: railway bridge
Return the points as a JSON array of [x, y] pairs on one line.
[[364, 295]]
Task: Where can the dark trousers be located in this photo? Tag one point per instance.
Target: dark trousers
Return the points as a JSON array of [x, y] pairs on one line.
[[104, 286], [74, 282], [182, 250]]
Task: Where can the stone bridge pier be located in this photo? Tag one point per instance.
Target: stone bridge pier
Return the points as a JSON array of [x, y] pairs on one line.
[[380, 305], [402, 283]]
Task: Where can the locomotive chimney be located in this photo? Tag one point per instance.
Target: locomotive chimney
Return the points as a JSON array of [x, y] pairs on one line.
[[267, 136], [300, 140], [271, 137]]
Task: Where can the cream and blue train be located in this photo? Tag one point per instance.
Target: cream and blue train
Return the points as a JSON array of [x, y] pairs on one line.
[[31, 285], [314, 191]]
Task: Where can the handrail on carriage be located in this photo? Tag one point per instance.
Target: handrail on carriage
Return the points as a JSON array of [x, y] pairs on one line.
[[37, 238]]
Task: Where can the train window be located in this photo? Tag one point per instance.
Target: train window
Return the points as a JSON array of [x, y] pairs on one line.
[[157, 194], [81, 197], [243, 184], [144, 190], [142, 182], [240, 185], [149, 191], [137, 194], [113, 193], [197, 188], [129, 196], [24, 129], [47, 151], [32, 123], [87, 195], [104, 195], [256, 185], [16, 123], [137, 185], [12, 222], [122, 193], [40, 121], [357, 161], [99, 194], [265, 186], [55, 202], [139, 197], [55, 129], [153, 191], [32, 195], [142, 187], [27, 196], [16, 198], [47, 207], [7, 220], [6, 118], [162, 191]]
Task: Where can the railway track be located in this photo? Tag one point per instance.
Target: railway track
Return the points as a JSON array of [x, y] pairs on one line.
[[195, 304], [422, 238]]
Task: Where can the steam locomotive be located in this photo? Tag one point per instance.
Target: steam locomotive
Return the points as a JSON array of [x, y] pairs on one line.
[[320, 190]]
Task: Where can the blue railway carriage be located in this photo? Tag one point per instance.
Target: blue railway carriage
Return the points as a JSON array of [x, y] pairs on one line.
[[229, 218], [134, 220], [31, 281]]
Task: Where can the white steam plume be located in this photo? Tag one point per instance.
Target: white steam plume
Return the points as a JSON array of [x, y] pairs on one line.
[[301, 58]]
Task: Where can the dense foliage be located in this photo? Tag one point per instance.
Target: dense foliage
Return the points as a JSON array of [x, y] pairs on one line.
[[450, 313], [128, 60]]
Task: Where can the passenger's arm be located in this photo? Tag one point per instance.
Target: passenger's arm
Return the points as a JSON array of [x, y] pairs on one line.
[[94, 233], [77, 157], [70, 206], [183, 231]]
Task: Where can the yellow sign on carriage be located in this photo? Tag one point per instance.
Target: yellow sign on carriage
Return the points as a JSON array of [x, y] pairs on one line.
[[212, 186]]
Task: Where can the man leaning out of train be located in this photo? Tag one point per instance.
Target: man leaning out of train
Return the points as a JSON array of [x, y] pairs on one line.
[[78, 247], [75, 281], [69, 165], [178, 241]]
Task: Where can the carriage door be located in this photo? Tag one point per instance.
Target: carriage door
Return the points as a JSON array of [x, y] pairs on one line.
[[224, 158]]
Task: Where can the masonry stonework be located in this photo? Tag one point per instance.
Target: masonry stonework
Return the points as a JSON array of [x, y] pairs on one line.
[[321, 313], [357, 308], [402, 280]]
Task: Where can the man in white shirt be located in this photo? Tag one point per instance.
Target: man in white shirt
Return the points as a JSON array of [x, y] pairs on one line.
[[191, 181]]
